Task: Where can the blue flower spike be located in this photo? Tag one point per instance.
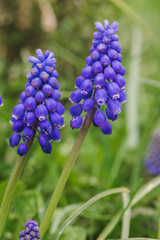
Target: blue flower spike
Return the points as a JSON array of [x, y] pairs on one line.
[[31, 231], [39, 110], [101, 82], [152, 160]]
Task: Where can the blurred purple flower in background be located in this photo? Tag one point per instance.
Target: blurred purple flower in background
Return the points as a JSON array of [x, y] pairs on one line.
[[1, 102], [101, 82], [31, 231], [152, 160], [39, 108]]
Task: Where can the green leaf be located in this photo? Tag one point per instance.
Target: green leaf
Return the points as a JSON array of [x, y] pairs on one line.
[[74, 233], [126, 217], [86, 205], [143, 191]]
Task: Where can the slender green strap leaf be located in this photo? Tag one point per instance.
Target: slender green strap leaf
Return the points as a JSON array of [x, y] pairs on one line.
[[110, 226], [143, 191], [147, 188], [150, 82], [126, 217], [86, 205]]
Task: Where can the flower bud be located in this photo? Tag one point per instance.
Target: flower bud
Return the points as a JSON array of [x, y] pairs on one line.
[[55, 119], [105, 60], [55, 135], [18, 111], [110, 115], [22, 149], [41, 112], [99, 27], [99, 80], [89, 60], [29, 118], [76, 96], [30, 91], [116, 66], [86, 72], [28, 133], [112, 53], [101, 48], [95, 55], [123, 97], [53, 82], [109, 73], [113, 90], [23, 96], [88, 104], [78, 82], [45, 126], [36, 82], [97, 67], [101, 96], [51, 105], [60, 109], [106, 128], [56, 95], [114, 106], [40, 96], [99, 118], [14, 139], [47, 89], [86, 87], [120, 81], [34, 71], [76, 122], [76, 110], [30, 103], [18, 126], [44, 76]]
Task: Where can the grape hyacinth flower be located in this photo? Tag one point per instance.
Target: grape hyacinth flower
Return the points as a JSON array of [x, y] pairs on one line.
[[101, 82], [152, 160], [1, 102], [39, 109], [31, 231]]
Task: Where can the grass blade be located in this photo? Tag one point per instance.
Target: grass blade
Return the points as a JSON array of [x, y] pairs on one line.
[[110, 226], [147, 188], [143, 191], [87, 204], [126, 217]]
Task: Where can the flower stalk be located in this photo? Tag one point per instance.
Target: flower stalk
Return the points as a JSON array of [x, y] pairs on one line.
[[11, 187], [66, 172]]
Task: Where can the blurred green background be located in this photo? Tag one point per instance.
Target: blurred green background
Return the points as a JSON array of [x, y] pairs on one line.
[[66, 28]]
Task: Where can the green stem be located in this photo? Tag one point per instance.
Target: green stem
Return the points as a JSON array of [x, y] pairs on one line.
[[66, 172], [11, 187]]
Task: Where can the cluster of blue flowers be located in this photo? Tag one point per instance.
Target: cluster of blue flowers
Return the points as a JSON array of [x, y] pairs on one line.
[[1, 102], [39, 108], [101, 82], [31, 231], [152, 160]]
